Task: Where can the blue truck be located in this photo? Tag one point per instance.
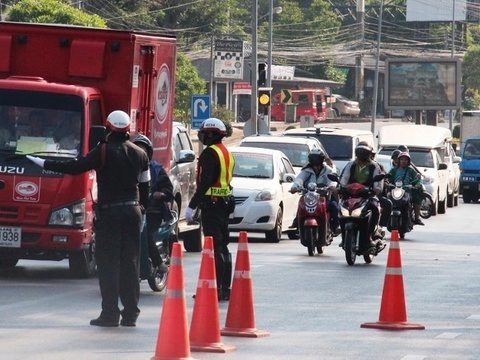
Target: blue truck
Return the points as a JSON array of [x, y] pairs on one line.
[[470, 170]]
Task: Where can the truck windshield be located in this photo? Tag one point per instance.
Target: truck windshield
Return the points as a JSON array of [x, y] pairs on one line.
[[40, 123], [472, 149], [338, 147]]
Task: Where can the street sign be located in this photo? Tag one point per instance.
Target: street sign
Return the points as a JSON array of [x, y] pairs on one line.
[[200, 110], [286, 96]]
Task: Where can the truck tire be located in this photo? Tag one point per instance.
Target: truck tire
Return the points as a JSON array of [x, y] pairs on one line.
[[82, 263], [8, 262]]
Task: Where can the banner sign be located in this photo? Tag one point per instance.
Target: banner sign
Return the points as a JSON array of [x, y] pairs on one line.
[[228, 59]]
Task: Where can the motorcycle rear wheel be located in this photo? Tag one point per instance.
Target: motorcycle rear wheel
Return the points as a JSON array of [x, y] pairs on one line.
[[350, 240]]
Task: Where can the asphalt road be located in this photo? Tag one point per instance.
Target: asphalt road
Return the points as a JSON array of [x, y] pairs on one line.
[[312, 306]]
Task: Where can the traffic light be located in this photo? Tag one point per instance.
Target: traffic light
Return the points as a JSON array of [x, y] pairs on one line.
[[262, 74], [264, 99]]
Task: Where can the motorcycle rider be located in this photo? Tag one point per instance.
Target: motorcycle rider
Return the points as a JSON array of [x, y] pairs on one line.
[[405, 173], [362, 170], [316, 171], [157, 211], [394, 157]]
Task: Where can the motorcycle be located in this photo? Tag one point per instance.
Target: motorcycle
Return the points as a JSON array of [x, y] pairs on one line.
[[402, 215], [355, 217], [165, 236], [314, 218]]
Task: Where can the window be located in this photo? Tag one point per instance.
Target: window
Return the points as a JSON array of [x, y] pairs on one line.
[[288, 166]]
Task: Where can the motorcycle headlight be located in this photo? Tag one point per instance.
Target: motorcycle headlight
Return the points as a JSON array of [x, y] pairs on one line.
[[357, 212], [71, 215], [310, 198], [344, 212], [397, 193], [265, 195]]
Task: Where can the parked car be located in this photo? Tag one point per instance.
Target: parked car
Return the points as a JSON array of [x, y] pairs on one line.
[[432, 152], [261, 182], [183, 167], [338, 142], [344, 106], [296, 149]]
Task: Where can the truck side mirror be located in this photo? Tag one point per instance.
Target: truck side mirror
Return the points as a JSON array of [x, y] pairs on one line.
[[97, 134], [442, 166]]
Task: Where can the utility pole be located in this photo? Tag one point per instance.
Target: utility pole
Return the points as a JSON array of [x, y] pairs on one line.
[[377, 62], [450, 117], [254, 67], [359, 66]]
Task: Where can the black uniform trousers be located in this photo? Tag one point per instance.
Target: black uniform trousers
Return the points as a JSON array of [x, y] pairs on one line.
[[215, 223], [117, 232]]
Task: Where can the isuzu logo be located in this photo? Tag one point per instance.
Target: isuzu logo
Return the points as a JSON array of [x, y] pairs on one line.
[[26, 188], [11, 170]]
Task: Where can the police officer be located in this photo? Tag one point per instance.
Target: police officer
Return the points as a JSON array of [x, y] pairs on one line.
[[123, 180], [214, 197]]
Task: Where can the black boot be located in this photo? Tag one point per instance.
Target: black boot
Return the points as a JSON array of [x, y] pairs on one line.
[[104, 322]]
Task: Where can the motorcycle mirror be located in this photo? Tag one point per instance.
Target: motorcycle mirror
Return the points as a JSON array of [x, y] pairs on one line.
[[333, 177]]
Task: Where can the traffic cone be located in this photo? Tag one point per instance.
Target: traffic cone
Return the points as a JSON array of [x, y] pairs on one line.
[[393, 314], [205, 326], [172, 340], [240, 314]]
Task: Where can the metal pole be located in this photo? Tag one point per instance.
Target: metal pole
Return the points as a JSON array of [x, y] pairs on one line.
[[377, 62], [270, 50], [359, 65], [450, 117], [1, 13], [253, 79], [212, 41]]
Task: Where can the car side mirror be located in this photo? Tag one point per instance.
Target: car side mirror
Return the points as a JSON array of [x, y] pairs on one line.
[[97, 134], [442, 166], [288, 178], [457, 159], [186, 156]]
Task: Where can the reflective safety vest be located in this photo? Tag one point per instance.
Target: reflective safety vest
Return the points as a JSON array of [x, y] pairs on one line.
[[221, 186]]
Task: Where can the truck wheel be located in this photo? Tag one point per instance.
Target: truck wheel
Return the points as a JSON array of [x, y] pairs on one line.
[[193, 240], [8, 262], [82, 263]]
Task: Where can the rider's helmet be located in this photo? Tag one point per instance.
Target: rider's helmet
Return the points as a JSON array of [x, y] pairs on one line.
[[363, 151], [403, 148], [406, 155], [316, 157], [118, 121], [212, 131], [145, 143], [395, 154]]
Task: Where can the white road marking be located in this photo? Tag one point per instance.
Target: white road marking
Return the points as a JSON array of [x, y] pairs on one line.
[[448, 335], [413, 357], [474, 317], [36, 316]]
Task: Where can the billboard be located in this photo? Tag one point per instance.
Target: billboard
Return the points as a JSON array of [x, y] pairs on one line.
[[228, 59], [438, 10], [422, 84]]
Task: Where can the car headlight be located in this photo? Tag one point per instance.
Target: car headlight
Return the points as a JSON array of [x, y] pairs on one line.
[[71, 215], [265, 195], [427, 180]]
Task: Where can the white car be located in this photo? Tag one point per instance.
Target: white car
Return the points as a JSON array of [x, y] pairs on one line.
[[261, 182], [295, 148]]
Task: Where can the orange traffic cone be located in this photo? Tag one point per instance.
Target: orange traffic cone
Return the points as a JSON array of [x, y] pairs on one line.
[[205, 327], [172, 340], [393, 314], [240, 314]]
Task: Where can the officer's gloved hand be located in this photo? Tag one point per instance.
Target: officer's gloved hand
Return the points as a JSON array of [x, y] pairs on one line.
[[36, 160], [189, 214]]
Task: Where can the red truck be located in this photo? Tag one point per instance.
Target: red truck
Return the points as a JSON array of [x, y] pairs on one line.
[[55, 79], [309, 102]]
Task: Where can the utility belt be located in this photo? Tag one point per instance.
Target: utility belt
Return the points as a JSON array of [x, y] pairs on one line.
[[227, 201], [118, 203]]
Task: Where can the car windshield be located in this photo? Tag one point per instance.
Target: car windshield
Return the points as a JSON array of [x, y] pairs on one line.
[[338, 147], [253, 165], [296, 153], [32, 122], [472, 149], [422, 158]]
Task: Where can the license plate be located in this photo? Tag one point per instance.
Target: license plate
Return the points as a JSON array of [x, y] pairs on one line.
[[10, 237]]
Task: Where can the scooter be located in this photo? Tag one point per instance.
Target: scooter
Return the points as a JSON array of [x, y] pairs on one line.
[[164, 239], [402, 215], [355, 217], [314, 218]]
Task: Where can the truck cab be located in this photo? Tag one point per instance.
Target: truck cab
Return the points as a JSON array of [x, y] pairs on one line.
[[307, 102], [470, 170]]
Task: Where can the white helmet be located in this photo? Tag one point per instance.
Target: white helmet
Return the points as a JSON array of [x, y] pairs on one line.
[[213, 125], [118, 121]]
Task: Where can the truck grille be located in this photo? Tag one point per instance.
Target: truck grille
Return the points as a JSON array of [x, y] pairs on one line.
[[15, 214]]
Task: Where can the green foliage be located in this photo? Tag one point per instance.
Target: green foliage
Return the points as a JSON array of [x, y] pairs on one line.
[[52, 11], [471, 67], [456, 131], [188, 83], [472, 99]]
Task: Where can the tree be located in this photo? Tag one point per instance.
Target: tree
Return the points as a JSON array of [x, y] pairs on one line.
[[188, 83], [471, 67], [53, 12]]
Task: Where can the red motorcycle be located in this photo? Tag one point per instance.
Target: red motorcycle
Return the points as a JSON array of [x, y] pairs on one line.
[[314, 218]]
